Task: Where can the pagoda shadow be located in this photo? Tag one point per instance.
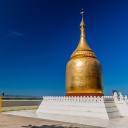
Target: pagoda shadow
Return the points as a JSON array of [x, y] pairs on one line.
[[56, 126]]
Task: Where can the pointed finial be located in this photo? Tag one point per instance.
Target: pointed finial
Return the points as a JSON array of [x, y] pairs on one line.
[[82, 24], [82, 13], [83, 48]]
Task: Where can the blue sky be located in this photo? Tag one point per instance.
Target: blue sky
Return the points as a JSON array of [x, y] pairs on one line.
[[37, 38]]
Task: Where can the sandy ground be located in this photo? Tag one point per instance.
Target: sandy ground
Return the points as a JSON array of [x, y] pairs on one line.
[[10, 121]]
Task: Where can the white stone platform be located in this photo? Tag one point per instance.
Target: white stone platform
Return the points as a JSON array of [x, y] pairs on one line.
[[113, 123], [105, 111], [104, 107]]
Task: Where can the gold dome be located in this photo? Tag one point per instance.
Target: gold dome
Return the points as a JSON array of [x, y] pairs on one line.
[[83, 70]]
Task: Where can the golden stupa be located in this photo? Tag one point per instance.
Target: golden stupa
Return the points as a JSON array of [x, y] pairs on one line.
[[83, 70]]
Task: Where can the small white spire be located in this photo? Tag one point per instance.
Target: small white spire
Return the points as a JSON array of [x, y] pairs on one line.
[[82, 13]]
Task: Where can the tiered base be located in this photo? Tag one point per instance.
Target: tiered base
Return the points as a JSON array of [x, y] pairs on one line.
[[102, 107]]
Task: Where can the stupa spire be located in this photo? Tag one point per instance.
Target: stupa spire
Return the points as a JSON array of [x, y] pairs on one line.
[[82, 13], [82, 26], [83, 47]]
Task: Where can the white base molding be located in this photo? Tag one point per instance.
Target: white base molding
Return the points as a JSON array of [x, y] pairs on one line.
[[105, 107]]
